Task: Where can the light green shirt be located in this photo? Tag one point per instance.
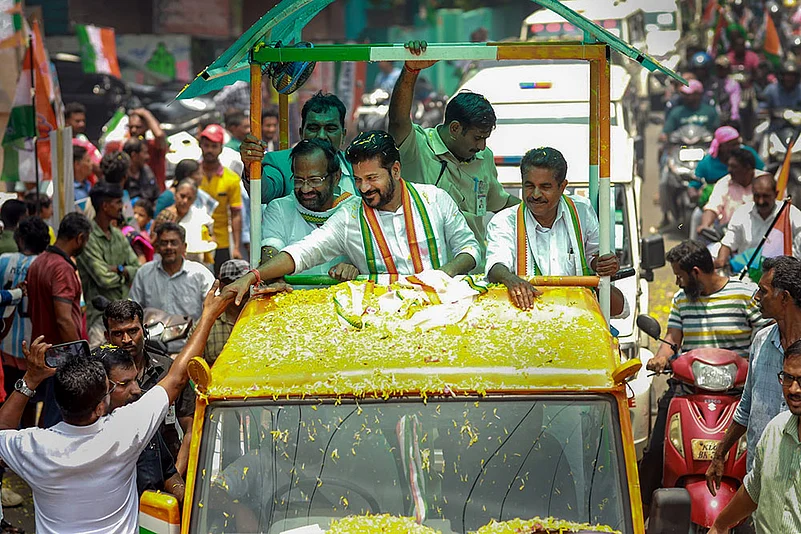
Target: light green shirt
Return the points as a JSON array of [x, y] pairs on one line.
[[473, 185], [774, 482]]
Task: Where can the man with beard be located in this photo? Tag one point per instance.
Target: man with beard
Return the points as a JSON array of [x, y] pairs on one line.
[[223, 185], [549, 234], [750, 222], [394, 228], [779, 298], [155, 468], [771, 489], [108, 264], [316, 173], [123, 320], [708, 311]]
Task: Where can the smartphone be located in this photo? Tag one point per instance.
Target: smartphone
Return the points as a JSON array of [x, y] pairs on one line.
[[57, 355]]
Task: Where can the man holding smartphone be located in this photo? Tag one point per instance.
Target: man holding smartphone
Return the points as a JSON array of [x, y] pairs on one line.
[[82, 471]]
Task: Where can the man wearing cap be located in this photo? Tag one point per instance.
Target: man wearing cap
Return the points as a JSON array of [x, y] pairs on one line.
[[221, 330], [692, 110], [223, 185], [289, 219]]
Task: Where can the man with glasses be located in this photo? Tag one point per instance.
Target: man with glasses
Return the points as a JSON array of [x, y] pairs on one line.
[[124, 324], [316, 177], [83, 470], [772, 488], [155, 468], [779, 298]]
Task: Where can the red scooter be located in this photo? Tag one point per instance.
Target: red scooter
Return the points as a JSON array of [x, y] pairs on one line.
[[698, 421]]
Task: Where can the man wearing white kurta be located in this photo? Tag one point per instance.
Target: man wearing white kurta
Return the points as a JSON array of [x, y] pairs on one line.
[[395, 228], [751, 221], [317, 195], [549, 234]]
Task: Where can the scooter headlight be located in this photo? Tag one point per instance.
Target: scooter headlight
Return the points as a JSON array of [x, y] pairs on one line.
[[741, 447], [674, 433], [775, 145], [714, 377]]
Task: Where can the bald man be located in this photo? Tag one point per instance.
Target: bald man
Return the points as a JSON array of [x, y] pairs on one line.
[[751, 221]]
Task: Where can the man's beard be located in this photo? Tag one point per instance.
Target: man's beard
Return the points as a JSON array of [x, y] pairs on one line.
[[384, 197], [692, 289], [320, 199]]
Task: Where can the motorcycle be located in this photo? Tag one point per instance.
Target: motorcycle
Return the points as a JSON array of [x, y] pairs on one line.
[[164, 332], [686, 147], [778, 129], [698, 421]]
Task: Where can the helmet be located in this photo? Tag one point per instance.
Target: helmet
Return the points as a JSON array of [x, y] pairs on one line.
[[700, 60]]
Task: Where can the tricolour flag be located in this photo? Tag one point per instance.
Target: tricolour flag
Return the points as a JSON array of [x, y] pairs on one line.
[[33, 117], [772, 46], [98, 49]]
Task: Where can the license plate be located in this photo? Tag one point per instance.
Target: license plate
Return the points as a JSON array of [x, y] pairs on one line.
[[704, 449], [691, 154]]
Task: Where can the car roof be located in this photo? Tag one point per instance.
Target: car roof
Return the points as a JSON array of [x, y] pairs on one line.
[[553, 81], [293, 345]]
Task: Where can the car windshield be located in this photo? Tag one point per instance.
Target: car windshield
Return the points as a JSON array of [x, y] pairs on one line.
[[455, 465]]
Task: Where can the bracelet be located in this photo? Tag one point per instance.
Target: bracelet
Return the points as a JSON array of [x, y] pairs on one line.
[[409, 69], [258, 276]]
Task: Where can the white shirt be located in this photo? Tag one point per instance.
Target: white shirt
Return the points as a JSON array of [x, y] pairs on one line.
[[552, 247], [747, 227], [181, 293], [341, 235], [282, 224], [193, 222], [83, 478]]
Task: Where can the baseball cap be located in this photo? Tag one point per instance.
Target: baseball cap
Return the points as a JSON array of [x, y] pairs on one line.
[[214, 133], [693, 86], [232, 270]]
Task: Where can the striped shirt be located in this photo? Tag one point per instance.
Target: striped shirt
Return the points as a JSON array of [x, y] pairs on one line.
[[774, 483], [13, 270], [726, 319]]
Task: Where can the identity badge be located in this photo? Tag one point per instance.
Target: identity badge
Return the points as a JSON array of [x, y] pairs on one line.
[[480, 187]]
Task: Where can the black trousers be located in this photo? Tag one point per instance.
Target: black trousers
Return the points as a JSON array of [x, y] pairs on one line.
[[653, 458]]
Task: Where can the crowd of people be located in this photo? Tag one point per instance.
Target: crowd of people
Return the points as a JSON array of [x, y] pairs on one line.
[[394, 202]]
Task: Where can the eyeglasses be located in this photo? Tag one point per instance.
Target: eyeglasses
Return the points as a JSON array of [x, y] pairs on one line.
[[111, 389], [311, 181], [786, 380], [123, 384]]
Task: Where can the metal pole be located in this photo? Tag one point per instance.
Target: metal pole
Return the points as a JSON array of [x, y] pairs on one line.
[[283, 117], [35, 127], [605, 182], [255, 167]]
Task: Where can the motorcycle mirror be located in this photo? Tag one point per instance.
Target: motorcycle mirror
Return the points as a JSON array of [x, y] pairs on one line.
[[157, 329], [649, 325]]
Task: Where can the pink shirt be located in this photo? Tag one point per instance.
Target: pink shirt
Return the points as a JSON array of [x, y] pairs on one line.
[[750, 62], [727, 196]]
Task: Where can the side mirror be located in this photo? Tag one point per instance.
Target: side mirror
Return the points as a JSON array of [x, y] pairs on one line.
[[159, 513], [653, 255], [649, 325], [670, 511]]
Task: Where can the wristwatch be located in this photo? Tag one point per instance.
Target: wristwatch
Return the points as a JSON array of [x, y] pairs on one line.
[[23, 388], [121, 269]]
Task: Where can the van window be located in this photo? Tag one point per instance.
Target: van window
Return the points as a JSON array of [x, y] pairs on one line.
[[457, 463]]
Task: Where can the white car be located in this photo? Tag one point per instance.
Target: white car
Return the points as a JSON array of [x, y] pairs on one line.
[[546, 104]]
